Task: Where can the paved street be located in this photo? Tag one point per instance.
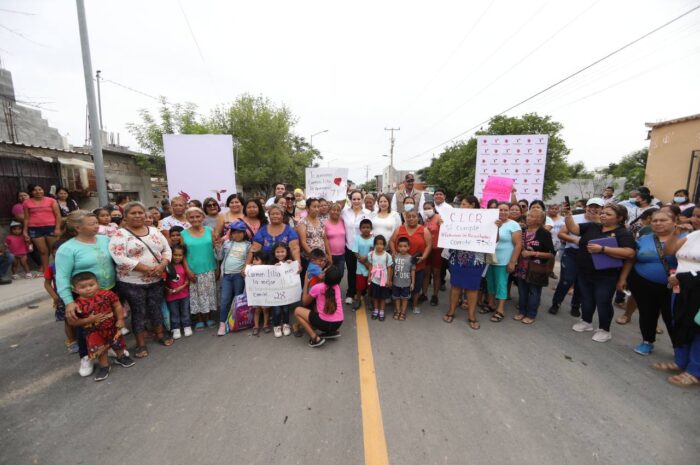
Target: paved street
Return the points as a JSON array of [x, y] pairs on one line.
[[506, 394]]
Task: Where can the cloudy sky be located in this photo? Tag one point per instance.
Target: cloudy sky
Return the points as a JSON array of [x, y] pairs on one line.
[[434, 69]]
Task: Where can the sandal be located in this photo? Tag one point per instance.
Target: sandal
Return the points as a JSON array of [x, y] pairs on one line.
[[447, 318], [666, 366], [486, 309], [684, 379], [256, 331], [167, 341], [497, 317], [402, 316], [396, 315], [474, 324], [141, 352], [527, 320], [518, 317], [296, 330], [622, 320], [267, 329], [381, 315]]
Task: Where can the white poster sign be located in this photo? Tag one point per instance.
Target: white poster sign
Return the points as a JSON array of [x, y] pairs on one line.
[[519, 157], [200, 166], [271, 285], [470, 229], [328, 183]]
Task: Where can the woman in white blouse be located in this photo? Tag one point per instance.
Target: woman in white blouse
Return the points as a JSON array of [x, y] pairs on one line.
[[141, 253], [384, 221]]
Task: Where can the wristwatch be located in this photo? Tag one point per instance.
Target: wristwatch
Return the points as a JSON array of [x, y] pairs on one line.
[[602, 250]]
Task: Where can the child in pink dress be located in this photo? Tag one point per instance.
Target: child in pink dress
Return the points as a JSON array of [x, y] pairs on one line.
[[17, 245]]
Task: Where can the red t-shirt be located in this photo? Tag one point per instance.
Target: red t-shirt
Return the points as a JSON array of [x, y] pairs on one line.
[[416, 242], [100, 304]]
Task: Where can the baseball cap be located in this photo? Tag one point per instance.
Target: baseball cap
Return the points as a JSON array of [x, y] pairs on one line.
[[15, 223], [595, 201], [238, 225]]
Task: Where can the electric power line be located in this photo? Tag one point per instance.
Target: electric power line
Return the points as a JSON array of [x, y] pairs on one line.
[[551, 86], [131, 89]]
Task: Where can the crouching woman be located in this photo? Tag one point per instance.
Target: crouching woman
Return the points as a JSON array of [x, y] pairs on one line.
[[327, 315]]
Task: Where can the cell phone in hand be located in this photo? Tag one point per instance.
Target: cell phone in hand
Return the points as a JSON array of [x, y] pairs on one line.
[[568, 201]]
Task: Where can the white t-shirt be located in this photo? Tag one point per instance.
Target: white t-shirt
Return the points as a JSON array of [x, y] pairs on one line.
[[556, 227], [689, 254], [443, 208], [352, 224], [385, 226]]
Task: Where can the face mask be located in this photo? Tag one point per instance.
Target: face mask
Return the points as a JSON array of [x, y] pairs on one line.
[[409, 207], [633, 200], [680, 200], [117, 220], [429, 213]]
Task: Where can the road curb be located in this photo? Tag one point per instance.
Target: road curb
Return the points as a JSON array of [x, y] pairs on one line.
[[22, 300]]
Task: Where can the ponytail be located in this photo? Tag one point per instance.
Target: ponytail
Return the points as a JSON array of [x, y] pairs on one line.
[[332, 280], [331, 306]]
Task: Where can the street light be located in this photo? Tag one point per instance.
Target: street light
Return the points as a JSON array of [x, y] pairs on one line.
[[311, 139]]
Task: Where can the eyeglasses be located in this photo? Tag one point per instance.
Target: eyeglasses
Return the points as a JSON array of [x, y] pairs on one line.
[[410, 180], [212, 205], [289, 198]]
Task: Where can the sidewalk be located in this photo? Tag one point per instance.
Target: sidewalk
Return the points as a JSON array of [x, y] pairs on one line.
[[21, 292]]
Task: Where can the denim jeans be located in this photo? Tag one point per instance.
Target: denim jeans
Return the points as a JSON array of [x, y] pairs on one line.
[[687, 357], [180, 313], [5, 262], [232, 284], [280, 315], [528, 298], [597, 291], [339, 261], [567, 278]]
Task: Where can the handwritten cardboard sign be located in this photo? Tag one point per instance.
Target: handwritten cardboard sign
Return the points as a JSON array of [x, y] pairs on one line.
[[470, 229], [497, 187], [271, 285], [328, 183]]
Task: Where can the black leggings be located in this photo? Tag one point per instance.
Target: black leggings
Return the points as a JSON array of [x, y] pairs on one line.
[[651, 298], [351, 264], [145, 301]]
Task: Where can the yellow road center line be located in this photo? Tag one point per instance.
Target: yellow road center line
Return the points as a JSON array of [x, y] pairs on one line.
[[372, 424]]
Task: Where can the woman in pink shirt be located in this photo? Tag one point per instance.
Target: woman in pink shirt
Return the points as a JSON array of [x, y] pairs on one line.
[[42, 222], [327, 315], [335, 233]]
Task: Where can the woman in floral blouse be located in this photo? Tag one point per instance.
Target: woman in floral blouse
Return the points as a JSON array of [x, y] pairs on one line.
[[141, 254]]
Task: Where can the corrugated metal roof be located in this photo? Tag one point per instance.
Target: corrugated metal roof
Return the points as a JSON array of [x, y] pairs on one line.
[[673, 121], [29, 146]]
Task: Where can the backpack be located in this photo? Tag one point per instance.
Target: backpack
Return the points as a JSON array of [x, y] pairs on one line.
[[240, 316]]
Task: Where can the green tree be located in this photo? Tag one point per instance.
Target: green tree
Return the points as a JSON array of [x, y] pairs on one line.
[[632, 167], [578, 171], [267, 150], [369, 186], [454, 169]]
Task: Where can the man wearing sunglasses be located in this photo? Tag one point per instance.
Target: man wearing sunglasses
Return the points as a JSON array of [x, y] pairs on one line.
[[407, 191]]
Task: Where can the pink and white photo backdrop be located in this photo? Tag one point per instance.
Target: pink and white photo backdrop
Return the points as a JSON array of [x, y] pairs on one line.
[[519, 157]]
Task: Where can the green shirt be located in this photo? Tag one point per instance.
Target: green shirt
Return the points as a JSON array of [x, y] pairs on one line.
[[75, 257], [200, 251]]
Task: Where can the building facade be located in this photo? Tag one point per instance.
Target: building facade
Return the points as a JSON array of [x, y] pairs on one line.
[[674, 157]]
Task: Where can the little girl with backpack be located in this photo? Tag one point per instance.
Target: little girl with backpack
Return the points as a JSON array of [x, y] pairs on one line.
[[327, 315]]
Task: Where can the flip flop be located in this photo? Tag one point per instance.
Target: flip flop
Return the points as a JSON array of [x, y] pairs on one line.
[[519, 317], [140, 352], [497, 317], [474, 324], [447, 318], [684, 379], [527, 320], [666, 366]]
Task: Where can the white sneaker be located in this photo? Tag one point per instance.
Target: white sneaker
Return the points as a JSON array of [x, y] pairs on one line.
[[86, 366], [278, 331], [582, 326], [416, 310], [601, 335], [15, 277], [188, 331], [176, 333], [348, 301], [286, 329], [125, 331]]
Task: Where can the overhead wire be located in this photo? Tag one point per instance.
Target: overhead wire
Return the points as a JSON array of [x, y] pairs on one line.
[[561, 81]]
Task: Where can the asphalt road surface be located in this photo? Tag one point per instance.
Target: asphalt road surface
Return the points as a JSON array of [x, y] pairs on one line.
[[506, 394]]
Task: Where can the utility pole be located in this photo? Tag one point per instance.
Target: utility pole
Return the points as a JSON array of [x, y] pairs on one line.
[[99, 97], [96, 146], [391, 155], [366, 174]]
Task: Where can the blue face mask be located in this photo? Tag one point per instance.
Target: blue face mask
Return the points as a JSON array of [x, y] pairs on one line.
[[409, 207], [680, 200]]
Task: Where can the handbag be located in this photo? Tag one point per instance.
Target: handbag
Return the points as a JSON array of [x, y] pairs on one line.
[[240, 316], [537, 273], [170, 272]]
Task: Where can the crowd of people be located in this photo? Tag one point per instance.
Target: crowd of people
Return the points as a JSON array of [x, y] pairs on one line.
[[176, 269]]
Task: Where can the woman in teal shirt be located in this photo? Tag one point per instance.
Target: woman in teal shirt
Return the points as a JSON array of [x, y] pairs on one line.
[[200, 264], [83, 250]]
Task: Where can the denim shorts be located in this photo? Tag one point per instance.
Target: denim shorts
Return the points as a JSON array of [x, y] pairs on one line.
[[42, 231], [402, 293]]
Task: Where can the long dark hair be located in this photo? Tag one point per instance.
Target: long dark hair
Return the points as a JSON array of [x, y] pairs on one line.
[[261, 210], [283, 245], [333, 277]]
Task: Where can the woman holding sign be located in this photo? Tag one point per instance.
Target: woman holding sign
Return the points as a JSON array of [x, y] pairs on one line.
[[599, 265], [420, 244]]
